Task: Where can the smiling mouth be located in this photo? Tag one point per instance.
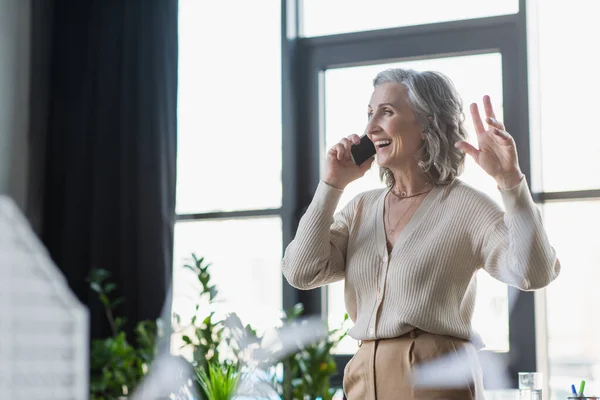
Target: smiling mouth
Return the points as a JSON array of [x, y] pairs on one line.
[[380, 144]]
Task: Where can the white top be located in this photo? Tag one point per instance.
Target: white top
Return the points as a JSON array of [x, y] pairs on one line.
[[428, 281]]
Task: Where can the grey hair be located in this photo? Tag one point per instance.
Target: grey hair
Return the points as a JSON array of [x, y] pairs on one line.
[[439, 108]]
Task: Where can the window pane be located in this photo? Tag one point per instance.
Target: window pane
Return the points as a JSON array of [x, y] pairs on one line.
[[347, 93], [229, 112], [245, 269], [573, 300], [327, 17], [570, 143]]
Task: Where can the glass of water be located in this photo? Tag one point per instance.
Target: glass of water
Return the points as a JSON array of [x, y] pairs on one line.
[[530, 385]]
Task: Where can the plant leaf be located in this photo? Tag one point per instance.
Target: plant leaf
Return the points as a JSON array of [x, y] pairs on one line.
[[117, 302], [110, 287], [95, 286]]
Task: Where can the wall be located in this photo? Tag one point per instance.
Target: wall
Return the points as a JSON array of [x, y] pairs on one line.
[[14, 97]]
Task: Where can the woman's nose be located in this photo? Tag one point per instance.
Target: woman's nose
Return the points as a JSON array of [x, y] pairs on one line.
[[372, 127]]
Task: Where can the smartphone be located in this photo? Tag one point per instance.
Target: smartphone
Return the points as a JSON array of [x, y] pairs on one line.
[[363, 151]]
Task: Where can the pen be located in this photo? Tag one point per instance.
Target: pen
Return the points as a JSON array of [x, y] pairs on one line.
[[573, 390], [581, 387]]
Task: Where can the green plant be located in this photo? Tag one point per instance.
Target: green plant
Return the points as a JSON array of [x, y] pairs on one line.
[[307, 372], [317, 364], [220, 382], [291, 369], [117, 366], [207, 333], [203, 336]]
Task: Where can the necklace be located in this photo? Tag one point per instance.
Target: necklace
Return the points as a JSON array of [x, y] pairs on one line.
[[392, 230], [404, 195]]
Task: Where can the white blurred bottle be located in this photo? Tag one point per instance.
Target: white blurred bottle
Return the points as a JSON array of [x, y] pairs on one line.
[[530, 385]]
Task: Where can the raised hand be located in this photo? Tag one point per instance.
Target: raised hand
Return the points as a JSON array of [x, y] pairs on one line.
[[340, 169], [497, 152]]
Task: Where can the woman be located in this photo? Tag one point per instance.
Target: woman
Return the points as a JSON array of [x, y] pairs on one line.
[[409, 254]]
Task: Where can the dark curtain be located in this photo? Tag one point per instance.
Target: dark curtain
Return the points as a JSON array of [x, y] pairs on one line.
[[103, 146]]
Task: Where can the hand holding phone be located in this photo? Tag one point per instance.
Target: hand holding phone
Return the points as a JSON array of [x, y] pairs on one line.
[[343, 160]]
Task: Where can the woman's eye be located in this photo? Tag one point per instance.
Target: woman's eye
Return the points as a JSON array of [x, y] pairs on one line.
[[387, 111], [369, 115]]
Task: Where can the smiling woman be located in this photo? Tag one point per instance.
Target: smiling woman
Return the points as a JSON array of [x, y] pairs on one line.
[[343, 113], [429, 133], [409, 254]]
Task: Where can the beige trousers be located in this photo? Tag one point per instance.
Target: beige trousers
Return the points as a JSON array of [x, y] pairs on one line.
[[381, 369]]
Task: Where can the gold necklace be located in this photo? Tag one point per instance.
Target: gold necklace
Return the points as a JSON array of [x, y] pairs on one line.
[[392, 230], [404, 195]]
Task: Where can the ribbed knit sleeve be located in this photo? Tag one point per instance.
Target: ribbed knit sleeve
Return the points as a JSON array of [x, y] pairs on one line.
[[516, 249], [317, 255]]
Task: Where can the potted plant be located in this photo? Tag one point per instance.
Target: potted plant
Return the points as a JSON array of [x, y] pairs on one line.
[[306, 373], [216, 357], [116, 365], [219, 381]]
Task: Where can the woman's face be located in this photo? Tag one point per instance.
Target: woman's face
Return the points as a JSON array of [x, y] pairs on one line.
[[393, 127]]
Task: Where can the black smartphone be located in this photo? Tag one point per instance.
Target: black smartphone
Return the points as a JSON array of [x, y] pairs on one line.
[[363, 151]]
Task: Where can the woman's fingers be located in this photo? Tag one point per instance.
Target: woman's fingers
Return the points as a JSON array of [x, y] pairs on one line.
[[343, 149], [487, 105], [494, 123], [339, 151], [490, 117], [502, 134], [468, 148], [477, 122], [354, 138], [347, 147]]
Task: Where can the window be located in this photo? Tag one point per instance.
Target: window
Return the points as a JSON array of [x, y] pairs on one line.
[[234, 73], [231, 247], [572, 301], [327, 17], [347, 92], [567, 146], [229, 114], [229, 157], [570, 145]]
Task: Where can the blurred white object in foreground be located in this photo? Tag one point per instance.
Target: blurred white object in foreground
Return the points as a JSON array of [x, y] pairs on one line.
[[43, 326]]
